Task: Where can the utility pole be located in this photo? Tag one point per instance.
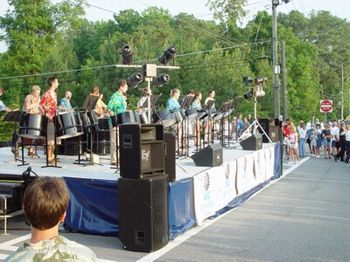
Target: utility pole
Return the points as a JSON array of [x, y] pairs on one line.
[[284, 79], [342, 93], [276, 96]]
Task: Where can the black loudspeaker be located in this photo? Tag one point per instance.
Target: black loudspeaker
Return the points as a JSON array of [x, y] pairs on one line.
[[170, 148], [265, 124], [143, 213], [209, 156], [141, 150], [254, 142]]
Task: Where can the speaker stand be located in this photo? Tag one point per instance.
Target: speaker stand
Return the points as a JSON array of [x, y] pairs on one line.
[[255, 124]]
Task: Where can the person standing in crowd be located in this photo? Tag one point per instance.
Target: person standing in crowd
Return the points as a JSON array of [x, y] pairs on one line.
[[334, 138], [347, 142], [326, 140], [45, 203], [3, 107], [312, 136], [239, 125], [49, 105], [286, 131], [342, 143], [173, 104], [117, 104], [318, 132], [65, 104], [293, 140], [301, 139]]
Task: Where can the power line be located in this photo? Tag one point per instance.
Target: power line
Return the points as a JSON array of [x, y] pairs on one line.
[[138, 62]]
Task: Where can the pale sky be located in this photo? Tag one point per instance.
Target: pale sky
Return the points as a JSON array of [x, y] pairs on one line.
[[340, 8]]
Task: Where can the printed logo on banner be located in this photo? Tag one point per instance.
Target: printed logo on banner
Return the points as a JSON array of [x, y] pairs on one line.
[[227, 175], [206, 184]]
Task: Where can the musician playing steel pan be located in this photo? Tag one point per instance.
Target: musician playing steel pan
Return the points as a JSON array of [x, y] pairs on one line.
[[196, 106], [116, 104], [101, 107], [32, 106], [49, 104], [65, 105], [209, 105]]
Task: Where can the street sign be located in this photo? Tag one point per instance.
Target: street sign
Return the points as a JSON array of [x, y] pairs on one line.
[[326, 106]]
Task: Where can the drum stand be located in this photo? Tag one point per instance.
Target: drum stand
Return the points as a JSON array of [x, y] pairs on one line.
[[78, 162], [91, 162], [24, 163]]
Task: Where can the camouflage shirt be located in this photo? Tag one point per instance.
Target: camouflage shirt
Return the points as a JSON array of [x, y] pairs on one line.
[[53, 250]]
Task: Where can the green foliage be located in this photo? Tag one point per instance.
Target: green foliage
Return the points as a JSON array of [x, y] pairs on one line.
[[55, 39]]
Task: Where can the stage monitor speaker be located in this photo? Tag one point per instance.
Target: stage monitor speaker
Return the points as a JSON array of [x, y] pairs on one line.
[[209, 156], [141, 150], [143, 213], [170, 159], [254, 142]]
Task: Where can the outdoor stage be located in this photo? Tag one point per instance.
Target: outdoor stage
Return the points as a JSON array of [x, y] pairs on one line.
[[197, 194]]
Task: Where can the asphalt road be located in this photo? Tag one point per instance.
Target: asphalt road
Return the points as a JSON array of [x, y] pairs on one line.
[[304, 216]]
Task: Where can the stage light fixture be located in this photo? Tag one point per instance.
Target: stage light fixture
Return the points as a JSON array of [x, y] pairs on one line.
[[249, 94], [260, 80], [127, 55], [167, 55], [135, 79], [161, 80], [247, 80]]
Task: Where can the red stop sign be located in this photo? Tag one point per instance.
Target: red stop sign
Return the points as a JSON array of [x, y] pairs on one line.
[[326, 106]]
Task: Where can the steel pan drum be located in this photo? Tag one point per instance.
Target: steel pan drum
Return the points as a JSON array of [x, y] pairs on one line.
[[217, 116], [103, 124], [128, 117], [144, 118], [68, 125], [191, 114], [32, 126], [85, 119], [167, 118]]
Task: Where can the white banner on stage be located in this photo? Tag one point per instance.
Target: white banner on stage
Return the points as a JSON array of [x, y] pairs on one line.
[[216, 187]]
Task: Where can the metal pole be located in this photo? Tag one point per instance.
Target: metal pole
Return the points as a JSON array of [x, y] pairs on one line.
[[275, 63], [284, 79], [149, 110], [342, 92]]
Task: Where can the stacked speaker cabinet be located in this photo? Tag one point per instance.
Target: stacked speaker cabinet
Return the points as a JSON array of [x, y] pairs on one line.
[[143, 188], [143, 216], [141, 150]]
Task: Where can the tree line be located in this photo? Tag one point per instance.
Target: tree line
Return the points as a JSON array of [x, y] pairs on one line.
[[46, 38]]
